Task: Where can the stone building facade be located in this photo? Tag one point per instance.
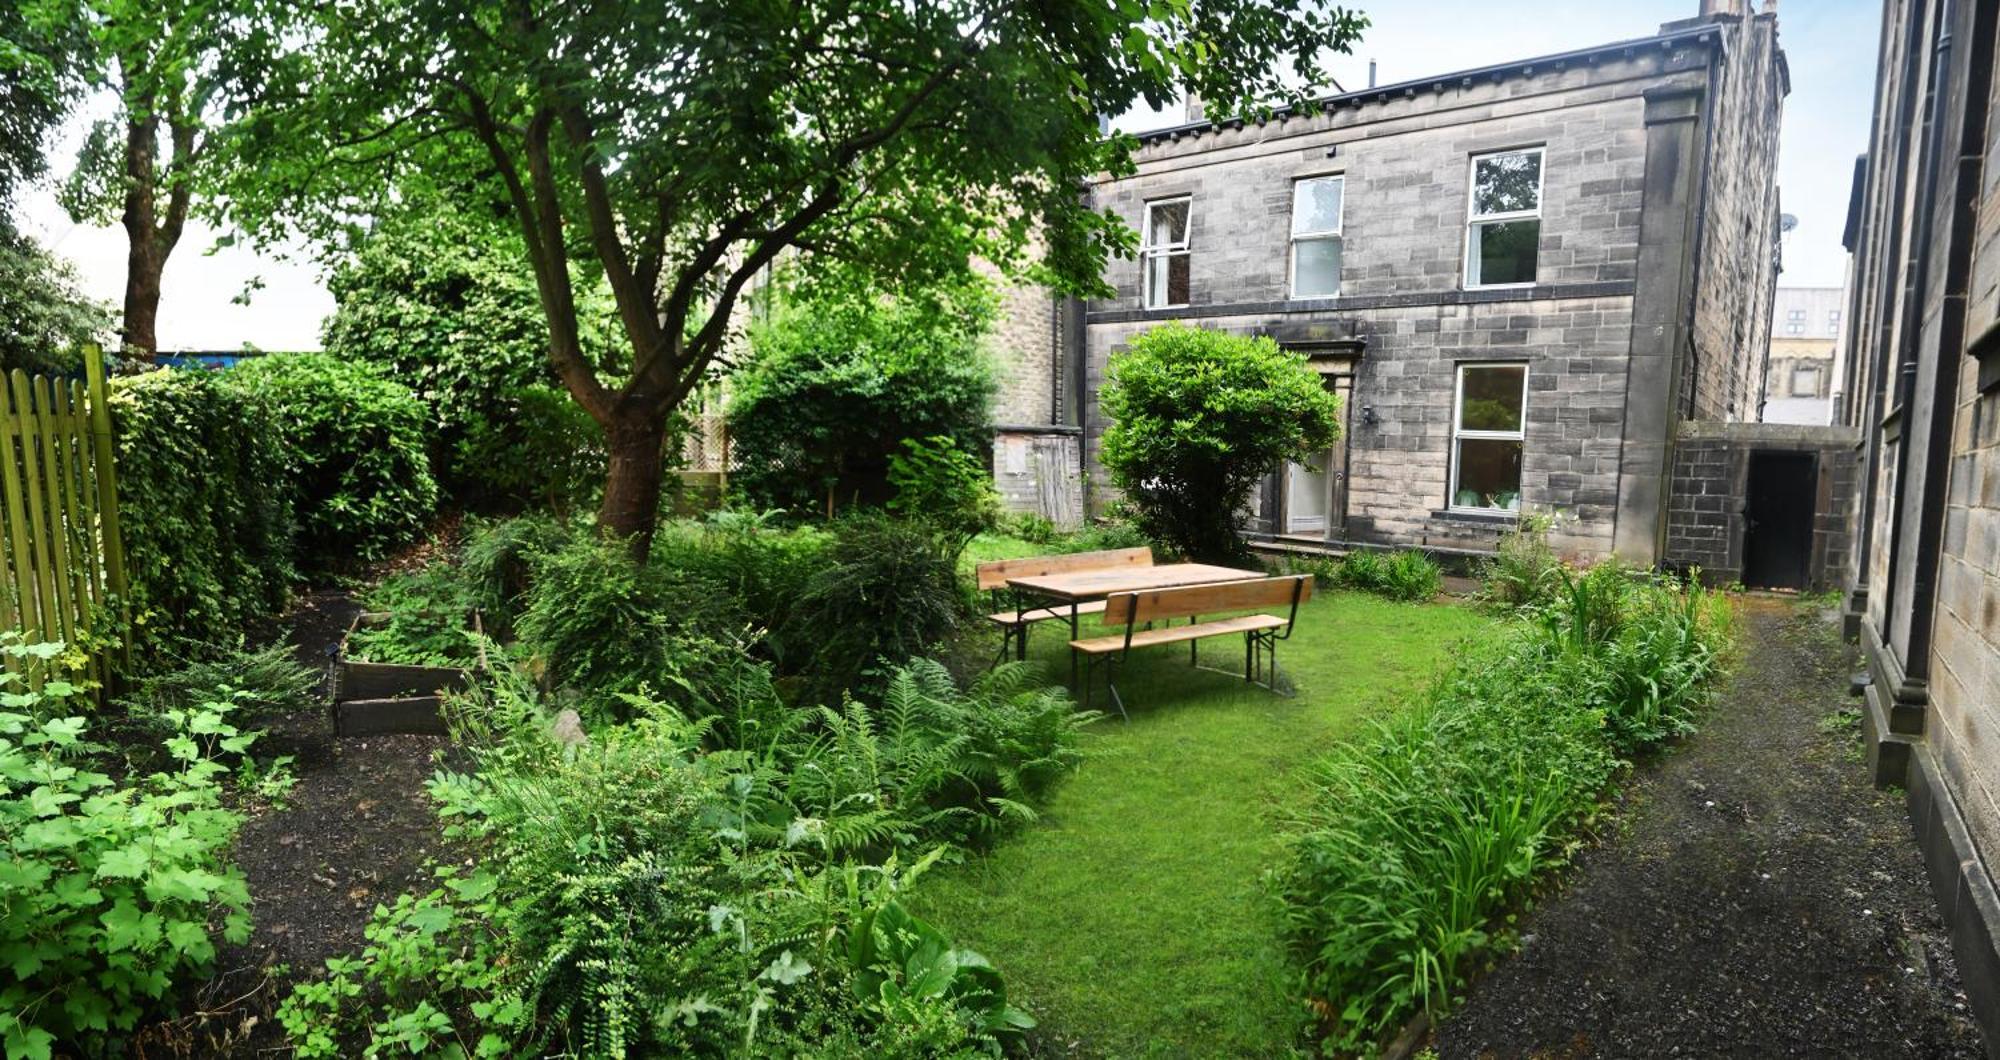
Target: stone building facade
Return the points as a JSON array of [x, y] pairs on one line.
[[1520, 279], [1037, 437], [1923, 330], [1802, 366]]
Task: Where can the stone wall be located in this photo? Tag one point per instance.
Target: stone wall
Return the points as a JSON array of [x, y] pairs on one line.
[[1705, 518], [1026, 347], [1405, 155], [1924, 342], [1736, 264]]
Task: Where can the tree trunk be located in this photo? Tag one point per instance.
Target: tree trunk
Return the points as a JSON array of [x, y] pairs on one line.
[[636, 443], [143, 266], [144, 256]]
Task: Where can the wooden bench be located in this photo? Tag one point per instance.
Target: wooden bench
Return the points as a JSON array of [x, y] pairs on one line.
[[1014, 621], [1261, 628]]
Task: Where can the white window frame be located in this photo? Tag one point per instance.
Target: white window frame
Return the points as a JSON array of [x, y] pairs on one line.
[[1458, 432], [1796, 315], [1148, 252], [1336, 232], [1473, 218]]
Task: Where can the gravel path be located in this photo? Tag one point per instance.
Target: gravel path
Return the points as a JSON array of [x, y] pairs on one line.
[[1756, 897]]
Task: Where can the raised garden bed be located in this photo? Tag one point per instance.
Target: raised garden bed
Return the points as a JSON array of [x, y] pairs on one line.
[[371, 698]]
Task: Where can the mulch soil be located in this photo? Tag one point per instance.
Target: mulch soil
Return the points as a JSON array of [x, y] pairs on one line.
[[357, 829], [1756, 896]]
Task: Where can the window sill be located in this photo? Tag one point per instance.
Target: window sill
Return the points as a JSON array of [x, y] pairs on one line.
[[1498, 286], [1481, 516]]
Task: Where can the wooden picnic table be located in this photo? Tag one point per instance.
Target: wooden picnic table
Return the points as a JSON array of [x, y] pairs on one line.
[[1077, 587]]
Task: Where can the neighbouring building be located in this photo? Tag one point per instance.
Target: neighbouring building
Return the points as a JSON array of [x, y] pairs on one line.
[[1800, 370], [1923, 379], [1522, 279]]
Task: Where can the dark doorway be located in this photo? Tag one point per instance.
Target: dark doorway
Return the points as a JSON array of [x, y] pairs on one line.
[[1778, 519]]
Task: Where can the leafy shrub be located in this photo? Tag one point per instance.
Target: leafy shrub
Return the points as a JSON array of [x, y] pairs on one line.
[[261, 682], [204, 508], [944, 485], [498, 559], [108, 889], [887, 593], [1416, 836], [353, 446], [439, 302], [762, 566], [1200, 416], [1524, 572], [429, 620], [1032, 527], [1404, 575], [601, 623], [834, 386]]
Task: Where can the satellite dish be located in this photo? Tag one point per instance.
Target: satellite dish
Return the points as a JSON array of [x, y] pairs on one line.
[[1787, 222]]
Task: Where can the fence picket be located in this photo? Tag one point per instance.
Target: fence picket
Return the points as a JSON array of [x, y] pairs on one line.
[[46, 428]]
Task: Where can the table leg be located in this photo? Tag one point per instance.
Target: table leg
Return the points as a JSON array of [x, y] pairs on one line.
[[1073, 633]]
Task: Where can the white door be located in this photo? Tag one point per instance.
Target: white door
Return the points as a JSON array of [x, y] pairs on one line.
[[1308, 490]]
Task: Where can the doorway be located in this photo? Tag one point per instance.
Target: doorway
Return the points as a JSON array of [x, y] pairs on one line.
[[1778, 519], [1315, 491]]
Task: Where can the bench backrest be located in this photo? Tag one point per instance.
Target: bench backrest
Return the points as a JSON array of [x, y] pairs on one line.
[[1262, 594], [994, 575]]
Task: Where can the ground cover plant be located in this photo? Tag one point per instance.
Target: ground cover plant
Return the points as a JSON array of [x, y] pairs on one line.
[[112, 891], [1414, 839], [1131, 919], [428, 620], [1406, 574], [709, 883]]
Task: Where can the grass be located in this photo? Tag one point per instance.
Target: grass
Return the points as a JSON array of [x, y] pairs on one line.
[[1132, 919]]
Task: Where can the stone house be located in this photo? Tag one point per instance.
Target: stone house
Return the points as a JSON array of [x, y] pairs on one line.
[[1923, 327], [1800, 370], [1520, 278]]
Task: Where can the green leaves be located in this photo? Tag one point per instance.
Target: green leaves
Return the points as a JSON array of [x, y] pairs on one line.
[[1199, 416], [109, 890]]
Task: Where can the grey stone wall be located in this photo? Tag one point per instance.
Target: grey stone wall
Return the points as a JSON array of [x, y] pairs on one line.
[[1026, 350], [1923, 342], [1705, 522], [1406, 158], [1737, 254]]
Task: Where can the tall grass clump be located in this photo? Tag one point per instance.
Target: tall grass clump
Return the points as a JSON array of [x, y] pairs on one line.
[[1524, 571], [1407, 575], [1419, 839]]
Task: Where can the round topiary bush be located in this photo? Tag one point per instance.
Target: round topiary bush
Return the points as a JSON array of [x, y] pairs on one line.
[[1200, 416], [354, 449]]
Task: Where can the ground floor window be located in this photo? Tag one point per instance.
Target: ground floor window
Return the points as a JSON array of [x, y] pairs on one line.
[[1489, 411]]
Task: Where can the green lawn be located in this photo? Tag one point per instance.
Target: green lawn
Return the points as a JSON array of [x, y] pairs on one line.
[[1131, 919]]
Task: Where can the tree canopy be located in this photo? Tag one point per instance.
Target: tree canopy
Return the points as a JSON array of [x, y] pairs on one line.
[[682, 148]]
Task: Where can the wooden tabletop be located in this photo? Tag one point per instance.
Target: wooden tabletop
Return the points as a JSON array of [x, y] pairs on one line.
[[1097, 584]]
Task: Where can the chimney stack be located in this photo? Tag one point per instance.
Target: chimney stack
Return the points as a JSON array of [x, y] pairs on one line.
[[1721, 7], [1196, 109], [1371, 73]]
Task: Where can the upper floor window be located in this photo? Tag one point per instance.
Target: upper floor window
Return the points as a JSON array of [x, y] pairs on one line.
[[1795, 328], [1833, 320], [1796, 314], [1163, 254], [1316, 237], [1488, 427], [1505, 221]]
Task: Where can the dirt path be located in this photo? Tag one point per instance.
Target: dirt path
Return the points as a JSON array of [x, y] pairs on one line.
[[357, 829], [1757, 898]]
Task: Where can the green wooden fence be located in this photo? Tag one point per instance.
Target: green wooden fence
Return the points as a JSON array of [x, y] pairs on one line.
[[62, 564]]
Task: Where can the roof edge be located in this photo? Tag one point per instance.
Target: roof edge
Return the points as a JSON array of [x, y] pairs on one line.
[[1381, 93]]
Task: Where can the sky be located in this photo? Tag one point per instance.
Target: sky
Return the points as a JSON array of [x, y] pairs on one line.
[[1830, 45]]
